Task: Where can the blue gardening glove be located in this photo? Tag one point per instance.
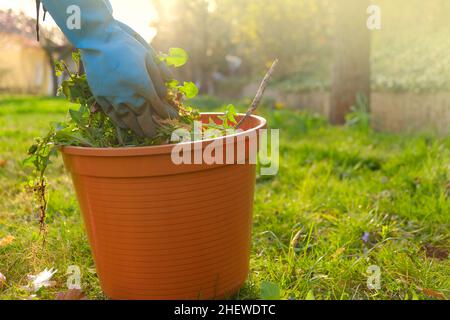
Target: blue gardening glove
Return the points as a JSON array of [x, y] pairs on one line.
[[123, 71]]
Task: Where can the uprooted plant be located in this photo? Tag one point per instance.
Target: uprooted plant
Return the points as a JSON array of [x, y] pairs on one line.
[[88, 126]]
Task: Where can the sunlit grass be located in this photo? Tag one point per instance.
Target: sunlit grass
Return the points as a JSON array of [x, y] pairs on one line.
[[334, 185]]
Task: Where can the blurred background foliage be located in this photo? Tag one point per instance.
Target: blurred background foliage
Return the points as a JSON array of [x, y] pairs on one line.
[[232, 41], [238, 39], [411, 51]]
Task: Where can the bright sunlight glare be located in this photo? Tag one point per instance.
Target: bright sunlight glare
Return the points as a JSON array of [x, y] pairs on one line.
[[136, 13]]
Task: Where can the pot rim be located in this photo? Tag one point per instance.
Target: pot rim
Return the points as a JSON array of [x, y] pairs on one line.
[[157, 150]]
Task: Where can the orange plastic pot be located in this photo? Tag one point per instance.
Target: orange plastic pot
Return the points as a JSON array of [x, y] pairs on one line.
[[164, 231]]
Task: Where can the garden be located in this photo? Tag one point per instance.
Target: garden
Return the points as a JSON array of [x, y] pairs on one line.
[[345, 199]]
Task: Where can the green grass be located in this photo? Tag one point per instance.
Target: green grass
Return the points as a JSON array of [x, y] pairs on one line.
[[334, 185]]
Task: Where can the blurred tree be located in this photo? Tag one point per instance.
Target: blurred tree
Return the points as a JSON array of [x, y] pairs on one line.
[[257, 31], [351, 73]]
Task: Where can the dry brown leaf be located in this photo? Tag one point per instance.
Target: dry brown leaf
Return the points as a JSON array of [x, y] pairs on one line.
[[434, 294], [3, 163], [6, 241], [296, 239], [72, 294], [2, 280]]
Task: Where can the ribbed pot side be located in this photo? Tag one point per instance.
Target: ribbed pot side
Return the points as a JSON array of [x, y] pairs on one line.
[[163, 231]]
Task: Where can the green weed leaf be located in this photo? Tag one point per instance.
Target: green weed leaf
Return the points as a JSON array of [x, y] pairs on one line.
[[231, 113], [75, 115], [176, 57], [189, 89], [172, 84]]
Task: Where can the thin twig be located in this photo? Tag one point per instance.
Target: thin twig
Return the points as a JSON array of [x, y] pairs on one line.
[[259, 94]]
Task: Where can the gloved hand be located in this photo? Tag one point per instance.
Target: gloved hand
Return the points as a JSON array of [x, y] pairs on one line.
[[123, 71]]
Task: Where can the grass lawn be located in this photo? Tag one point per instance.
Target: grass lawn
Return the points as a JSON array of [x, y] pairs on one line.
[[345, 199]]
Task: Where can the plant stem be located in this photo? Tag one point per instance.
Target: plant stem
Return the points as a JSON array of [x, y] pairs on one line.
[[259, 94]]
